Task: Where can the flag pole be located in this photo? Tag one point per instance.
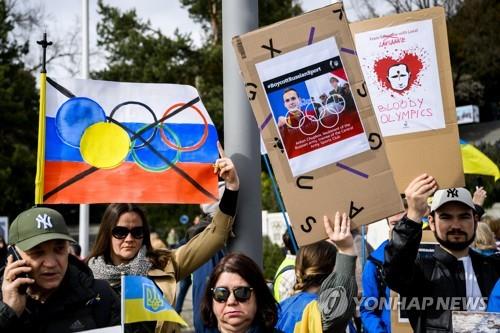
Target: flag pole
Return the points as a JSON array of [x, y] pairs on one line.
[[84, 212], [40, 160], [280, 203]]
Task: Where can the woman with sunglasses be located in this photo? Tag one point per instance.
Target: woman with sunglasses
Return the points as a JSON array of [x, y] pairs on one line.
[[123, 245], [237, 299], [325, 284]]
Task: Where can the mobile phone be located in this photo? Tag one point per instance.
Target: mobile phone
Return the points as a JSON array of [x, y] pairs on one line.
[[11, 250]]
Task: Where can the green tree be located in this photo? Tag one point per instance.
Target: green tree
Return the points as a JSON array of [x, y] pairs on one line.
[[18, 121], [209, 14], [273, 256], [474, 51], [269, 201], [136, 52]]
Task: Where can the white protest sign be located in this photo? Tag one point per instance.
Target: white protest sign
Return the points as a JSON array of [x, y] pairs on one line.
[[312, 105], [400, 67]]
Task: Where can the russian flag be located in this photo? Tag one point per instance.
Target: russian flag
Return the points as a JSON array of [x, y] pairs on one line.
[[126, 142], [144, 301]]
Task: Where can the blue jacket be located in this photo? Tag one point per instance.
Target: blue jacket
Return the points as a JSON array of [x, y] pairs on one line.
[[376, 318], [494, 299]]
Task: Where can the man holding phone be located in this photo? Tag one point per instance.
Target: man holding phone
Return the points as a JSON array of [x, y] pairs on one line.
[[44, 289]]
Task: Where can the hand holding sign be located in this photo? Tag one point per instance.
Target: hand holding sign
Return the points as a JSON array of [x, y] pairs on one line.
[[340, 235], [226, 170]]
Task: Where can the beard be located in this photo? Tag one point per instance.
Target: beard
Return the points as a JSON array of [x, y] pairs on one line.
[[455, 246]]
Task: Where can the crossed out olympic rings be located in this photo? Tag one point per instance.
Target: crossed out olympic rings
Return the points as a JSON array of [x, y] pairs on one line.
[[164, 130], [333, 106]]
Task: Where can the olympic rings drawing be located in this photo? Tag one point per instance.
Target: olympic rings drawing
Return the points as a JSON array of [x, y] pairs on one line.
[[167, 166], [179, 147], [152, 152], [308, 124], [148, 140]]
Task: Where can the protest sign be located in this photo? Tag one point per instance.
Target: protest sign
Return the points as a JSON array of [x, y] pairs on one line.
[[104, 141], [319, 170], [312, 105], [406, 65]]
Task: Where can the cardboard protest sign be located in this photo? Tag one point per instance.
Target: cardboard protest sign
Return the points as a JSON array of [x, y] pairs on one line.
[[406, 65], [317, 145]]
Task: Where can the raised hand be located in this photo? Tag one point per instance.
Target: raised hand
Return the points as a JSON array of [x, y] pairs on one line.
[[479, 196], [226, 170], [339, 233], [417, 193]]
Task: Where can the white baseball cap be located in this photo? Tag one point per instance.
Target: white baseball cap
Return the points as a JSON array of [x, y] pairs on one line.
[[458, 194]]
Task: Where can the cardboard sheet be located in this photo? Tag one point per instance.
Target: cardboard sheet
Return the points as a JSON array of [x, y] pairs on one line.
[[406, 64], [361, 185]]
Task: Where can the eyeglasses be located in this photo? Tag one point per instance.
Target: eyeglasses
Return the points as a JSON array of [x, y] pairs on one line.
[[241, 294], [122, 232]]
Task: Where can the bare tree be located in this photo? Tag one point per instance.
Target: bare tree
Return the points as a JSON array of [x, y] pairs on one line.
[[450, 6], [30, 22]]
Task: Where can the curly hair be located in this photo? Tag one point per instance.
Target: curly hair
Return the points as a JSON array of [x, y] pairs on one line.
[[313, 264], [238, 263]]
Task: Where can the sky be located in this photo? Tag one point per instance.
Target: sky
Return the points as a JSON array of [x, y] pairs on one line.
[[63, 18]]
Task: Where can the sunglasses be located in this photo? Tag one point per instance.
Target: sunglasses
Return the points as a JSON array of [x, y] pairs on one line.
[[241, 294], [122, 232]]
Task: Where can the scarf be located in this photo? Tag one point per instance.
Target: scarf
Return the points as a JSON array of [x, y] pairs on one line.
[[140, 265]]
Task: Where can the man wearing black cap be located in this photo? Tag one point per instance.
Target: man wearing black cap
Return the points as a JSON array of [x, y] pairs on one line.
[[48, 290], [454, 277]]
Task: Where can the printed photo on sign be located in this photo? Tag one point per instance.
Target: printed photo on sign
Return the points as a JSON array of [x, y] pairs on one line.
[[400, 68], [312, 106]]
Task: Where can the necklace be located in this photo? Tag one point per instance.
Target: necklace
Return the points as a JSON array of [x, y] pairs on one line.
[[36, 297]]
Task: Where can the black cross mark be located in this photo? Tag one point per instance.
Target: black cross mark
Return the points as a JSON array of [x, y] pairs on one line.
[[271, 48], [340, 13], [304, 186], [452, 192], [308, 227], [362, 93], [278, 144], [353, 211], [376, 140], [251, 92]]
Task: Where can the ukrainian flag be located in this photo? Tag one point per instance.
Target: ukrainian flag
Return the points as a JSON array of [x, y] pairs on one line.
[[475, 162], [144, 301]]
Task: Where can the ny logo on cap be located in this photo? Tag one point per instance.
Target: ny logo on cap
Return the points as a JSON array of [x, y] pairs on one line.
[[452, 192], [43, 221]]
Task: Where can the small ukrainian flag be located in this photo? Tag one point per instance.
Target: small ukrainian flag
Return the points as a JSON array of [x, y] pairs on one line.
[[144, 301], [476, 162]]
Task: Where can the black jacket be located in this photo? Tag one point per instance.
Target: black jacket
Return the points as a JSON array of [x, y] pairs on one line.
[[80, 303], [431, 286]]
